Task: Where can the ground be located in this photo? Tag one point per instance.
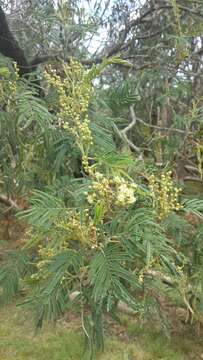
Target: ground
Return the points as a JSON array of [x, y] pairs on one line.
[[64, 341]]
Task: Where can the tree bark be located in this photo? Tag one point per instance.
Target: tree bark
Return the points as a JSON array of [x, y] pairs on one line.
[[9, 46]]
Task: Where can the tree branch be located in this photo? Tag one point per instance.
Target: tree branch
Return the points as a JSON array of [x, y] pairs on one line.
[[158, 127], [9, 46], [9, 202], [123, 133]]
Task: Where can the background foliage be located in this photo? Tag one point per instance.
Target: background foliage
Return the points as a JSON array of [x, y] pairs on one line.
[[101, 154]]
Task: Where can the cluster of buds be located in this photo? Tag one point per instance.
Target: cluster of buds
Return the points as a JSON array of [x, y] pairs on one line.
[[81, 228], [73, 91], [100, 190], [164, 194], [45, 255], [8, 85], [85, 132]]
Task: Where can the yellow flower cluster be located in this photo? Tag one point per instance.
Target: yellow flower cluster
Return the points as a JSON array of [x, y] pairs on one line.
[[111, 191], [45, 255], [73, 90], [8, 92], [165, 195], [46, 252], [125, 192], [80, 228], [100, 190]]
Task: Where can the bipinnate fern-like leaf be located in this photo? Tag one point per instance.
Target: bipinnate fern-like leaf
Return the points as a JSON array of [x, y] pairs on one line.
[[51, 292], [45, 209], [31, 110], [12, 270], [194, 206], [108, 275]]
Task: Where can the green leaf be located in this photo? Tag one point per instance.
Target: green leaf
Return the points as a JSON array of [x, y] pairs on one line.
[[4, 71], [194, 206], [45, 209], [98, 212], [107, 271]]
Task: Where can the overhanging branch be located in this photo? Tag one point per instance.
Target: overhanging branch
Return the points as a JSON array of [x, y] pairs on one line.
[[9, 46]]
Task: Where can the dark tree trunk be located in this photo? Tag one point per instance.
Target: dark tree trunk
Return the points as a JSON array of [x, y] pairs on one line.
[[9, 46]]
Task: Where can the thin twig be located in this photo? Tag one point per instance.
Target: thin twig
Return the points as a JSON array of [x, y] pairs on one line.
[[123, 133], [156, 126]]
